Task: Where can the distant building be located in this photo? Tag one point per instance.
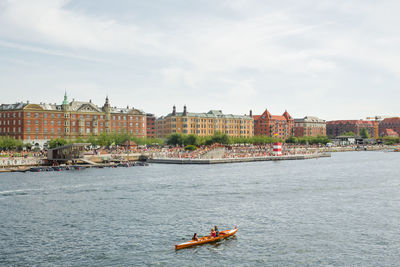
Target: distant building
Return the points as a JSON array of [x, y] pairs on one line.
[[280, 126], [341, 127], [309, 126], [204, 124], [390, 127], [38, 123], [150, 125]]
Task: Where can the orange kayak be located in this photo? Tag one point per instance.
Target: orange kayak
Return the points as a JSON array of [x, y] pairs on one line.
[[207, 239]]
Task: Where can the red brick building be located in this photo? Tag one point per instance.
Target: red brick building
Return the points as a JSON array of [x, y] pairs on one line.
[[274, 125], [341, 127], [151, 125], [309, 126], [38, 123], [392, 124]]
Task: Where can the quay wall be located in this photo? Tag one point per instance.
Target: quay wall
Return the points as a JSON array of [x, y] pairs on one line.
[[234, 160], [21, 161]]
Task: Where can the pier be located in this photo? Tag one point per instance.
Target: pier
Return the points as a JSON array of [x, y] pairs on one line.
[[236, 160]]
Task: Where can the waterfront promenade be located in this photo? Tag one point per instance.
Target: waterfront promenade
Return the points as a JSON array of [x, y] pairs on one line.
[[10, 161]]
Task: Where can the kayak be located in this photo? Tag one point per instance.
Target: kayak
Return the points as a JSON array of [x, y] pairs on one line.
[[207, 239]]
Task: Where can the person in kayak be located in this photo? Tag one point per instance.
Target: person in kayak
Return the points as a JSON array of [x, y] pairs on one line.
[[216, 231], [195, 237], [213, 233]]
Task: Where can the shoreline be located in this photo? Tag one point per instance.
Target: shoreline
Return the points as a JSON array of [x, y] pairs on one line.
[[237, 160], [24, 164]]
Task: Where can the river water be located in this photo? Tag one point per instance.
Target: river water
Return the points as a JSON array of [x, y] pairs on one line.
[[339, 211]]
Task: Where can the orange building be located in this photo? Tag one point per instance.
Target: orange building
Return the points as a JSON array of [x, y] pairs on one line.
[[38, 123], [274, 125], [204, 124]]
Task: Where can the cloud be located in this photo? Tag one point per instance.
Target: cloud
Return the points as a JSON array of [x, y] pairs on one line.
[[299, 51], [48, 22]]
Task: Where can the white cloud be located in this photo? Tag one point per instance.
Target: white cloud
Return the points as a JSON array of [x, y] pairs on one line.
[[285, 50]]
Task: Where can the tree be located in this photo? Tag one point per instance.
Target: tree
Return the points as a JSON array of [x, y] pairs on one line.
[[292, 140], [53, 143], [364, 133], [349, 134], [175, 139], [191, 139]]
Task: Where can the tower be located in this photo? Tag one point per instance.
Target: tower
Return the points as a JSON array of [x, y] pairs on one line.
[[107, 111], [65, 108]]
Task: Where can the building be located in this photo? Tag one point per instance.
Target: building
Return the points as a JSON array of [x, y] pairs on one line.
[[389, 127], [341, 127], [150, 125], [309, 126], [204, 124], [38, 123], [274, 125]]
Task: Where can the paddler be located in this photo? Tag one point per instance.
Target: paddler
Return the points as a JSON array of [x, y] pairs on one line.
[[195, 237], [216, 230]]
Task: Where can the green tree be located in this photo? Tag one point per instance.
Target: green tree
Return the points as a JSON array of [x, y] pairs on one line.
[[191, 139], [53, 143], [349, 134], [292, 140], [175, 139], [364, 133]]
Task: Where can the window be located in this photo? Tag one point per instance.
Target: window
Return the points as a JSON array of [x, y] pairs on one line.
[[36, 122], [28, 114], [28, 122], [45, 115]]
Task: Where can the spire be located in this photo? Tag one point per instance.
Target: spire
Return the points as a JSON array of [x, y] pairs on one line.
[[107, 106], [65, 102]]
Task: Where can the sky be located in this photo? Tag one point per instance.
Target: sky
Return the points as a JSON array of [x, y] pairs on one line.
[[331, 59]]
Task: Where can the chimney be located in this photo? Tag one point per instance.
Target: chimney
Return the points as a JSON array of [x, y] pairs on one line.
[[251, 113], [184, 110], [174, 110]]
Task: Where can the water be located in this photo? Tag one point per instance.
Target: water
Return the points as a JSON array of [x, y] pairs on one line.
[[339, 211]]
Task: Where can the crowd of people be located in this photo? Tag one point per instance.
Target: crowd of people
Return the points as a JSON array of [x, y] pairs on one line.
[[175, 152]]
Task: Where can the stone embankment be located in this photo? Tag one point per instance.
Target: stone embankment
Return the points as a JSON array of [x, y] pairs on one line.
[[234, 160], [21, 161]]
